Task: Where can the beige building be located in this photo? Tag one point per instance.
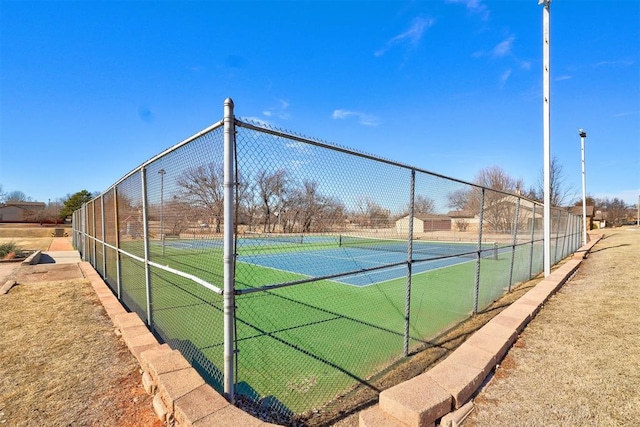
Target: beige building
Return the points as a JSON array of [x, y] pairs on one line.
[[423, 223], [21, 211]]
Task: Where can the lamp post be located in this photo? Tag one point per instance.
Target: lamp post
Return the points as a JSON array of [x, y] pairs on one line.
[[583, 135], [546, 115], [162, 172]]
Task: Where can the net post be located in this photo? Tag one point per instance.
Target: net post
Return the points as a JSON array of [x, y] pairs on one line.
[[407, 310], [514, 240], [145, 231], [476, 289], [229, 250]]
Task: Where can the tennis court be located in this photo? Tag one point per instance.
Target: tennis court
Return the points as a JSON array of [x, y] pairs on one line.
[[329, 295], [366, 261], [327, 262]]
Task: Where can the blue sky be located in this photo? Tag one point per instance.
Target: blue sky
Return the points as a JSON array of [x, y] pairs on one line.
[[89, 90]]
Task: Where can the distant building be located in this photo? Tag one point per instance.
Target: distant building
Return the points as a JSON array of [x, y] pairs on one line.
[[423, 223], [464, 220], [21, 211], [600, 218], [577, 210]]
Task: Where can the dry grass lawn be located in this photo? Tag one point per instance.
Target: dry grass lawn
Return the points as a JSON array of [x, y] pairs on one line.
[[29, 243], [62, 364], [578, 362]]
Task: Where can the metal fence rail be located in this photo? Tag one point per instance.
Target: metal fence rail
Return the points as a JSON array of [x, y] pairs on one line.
[[288, 270]]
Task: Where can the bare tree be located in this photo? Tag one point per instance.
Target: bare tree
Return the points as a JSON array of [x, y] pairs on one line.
[[496, 178], [371, 214], [616, 210], [16, 196], [421, 205], [203, 187], [248, 206], [459, 199], [312, 210], [560, 193], [178, 215], [499, 206], [271, 189]]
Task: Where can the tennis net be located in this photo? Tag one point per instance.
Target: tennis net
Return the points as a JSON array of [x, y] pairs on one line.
[[273, 237], [430, 248]]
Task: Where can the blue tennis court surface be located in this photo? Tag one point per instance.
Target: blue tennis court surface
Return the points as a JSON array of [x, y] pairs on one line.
[[327, 262]]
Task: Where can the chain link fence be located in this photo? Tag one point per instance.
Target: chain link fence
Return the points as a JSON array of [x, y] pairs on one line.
[[340, 263]]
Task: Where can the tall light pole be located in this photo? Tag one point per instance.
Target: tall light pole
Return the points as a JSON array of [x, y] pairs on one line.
[[546, 114], [583, 135], [162, 172]]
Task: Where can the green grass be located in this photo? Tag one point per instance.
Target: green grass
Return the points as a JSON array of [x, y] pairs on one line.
[[300, 346]]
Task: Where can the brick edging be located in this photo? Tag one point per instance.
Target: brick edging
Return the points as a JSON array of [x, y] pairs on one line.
[[449, 385], [181, 397]]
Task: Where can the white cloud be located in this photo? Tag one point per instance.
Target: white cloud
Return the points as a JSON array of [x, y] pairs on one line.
[[504, 77], [363, 118], [563, 77], [525, 65], [503, 48], [626, 113], [475, 7], [279, 111], [620, 63], [412, 36]]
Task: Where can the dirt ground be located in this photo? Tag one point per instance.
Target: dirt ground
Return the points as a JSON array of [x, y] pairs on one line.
[[62, 363], [578, 361]]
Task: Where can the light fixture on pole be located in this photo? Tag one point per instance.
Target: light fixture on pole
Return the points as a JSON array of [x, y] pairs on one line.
[[162, 172], [583, 135], [546, 115]]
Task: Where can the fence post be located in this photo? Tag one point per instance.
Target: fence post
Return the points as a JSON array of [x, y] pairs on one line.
[[117, 242], [104, 237], [515, 238], [566, 243], [533, 237], [83, 228], [145, 231], [476, 290], [407, 310], [229, 250], [94, 261], [555, 249]]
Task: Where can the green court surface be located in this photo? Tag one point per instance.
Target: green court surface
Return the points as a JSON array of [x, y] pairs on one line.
[[300, 346]]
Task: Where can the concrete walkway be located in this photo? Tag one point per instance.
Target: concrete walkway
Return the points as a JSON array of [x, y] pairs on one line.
[[60, 252], [60, 244]]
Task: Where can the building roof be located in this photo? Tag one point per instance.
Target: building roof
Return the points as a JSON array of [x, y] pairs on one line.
[[461, 214], [426, 217], [577, 210], [23, 205]]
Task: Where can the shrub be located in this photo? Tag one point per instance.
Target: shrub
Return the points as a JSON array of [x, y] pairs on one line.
[[7, 248]]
